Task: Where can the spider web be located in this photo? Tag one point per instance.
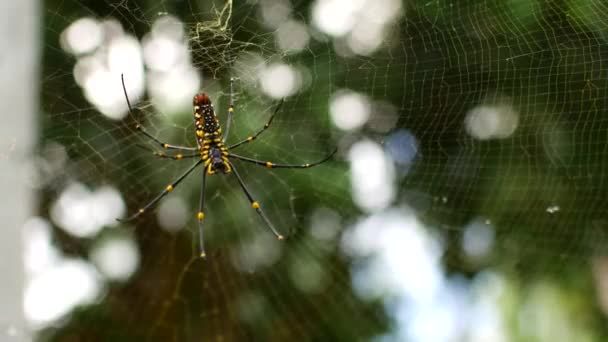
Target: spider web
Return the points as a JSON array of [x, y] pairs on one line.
[[539, 178]]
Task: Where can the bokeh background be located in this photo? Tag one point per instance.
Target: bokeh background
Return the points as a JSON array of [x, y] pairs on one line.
[[466, 201]]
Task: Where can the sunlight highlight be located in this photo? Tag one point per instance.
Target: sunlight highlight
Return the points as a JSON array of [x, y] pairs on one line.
[[279, 80], [116, 257], [292, 36], [372, 176], [82, 36], [336, 17], [55, 292], [398, 262], [39, 253], [172, 79], [260, 251], [401, 256], [83, 213], [172, 91], [307, 275], [275, 12], [487, 322], [363, 24], [478, 239], [325, 225], [99, 75], [491, 121], [173, 214], [402, 147], [349, 110]]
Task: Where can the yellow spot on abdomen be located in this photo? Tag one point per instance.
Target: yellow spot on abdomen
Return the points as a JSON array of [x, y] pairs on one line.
[[199, 133], [249, 138], [268, 164], [169, 187], [200, 216], [255, 205]]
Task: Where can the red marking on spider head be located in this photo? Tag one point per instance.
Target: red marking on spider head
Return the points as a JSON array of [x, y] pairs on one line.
[[201, 99]]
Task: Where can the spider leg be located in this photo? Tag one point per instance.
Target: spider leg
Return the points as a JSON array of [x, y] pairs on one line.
[[256, 205], [230, 109], [266, 125], [272, 165], [178, 156], [148, 135], [167, 190], [201, 215]]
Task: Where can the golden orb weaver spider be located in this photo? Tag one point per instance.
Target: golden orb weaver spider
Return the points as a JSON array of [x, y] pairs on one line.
[[214, 155]]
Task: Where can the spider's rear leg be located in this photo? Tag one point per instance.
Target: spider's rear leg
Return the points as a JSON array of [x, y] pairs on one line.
[[200, 216], [167, 190], [255, 204]]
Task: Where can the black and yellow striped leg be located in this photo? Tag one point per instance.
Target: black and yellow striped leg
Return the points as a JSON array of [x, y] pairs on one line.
[[255, 205], [143, 131], [266, 125], [230, 109], [162, 144], [178, 156], [200, 216], [167, 190], [272, 165]]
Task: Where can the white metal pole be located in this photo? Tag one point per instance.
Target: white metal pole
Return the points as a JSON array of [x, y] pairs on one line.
[[19, 75]]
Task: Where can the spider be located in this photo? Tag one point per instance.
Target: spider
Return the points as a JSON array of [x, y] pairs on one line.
[[214, 155]]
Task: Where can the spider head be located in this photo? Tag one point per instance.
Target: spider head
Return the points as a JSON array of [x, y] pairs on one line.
[[201, 100]]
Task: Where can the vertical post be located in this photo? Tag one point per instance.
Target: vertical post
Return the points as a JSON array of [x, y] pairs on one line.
[[19, 93]]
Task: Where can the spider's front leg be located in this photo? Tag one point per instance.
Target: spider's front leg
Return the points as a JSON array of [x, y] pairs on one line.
[[266, 126], [178, 156], [230, 110], [139, 127]]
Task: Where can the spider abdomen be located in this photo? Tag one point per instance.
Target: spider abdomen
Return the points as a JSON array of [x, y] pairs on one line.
[[204, 116], [209, 136]]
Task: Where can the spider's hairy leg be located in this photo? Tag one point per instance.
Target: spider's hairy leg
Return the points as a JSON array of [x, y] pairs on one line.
[[255, 204], [266, 126], [200, 216], [167, 190], [178, 156], [272, 165], [139, 127]]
